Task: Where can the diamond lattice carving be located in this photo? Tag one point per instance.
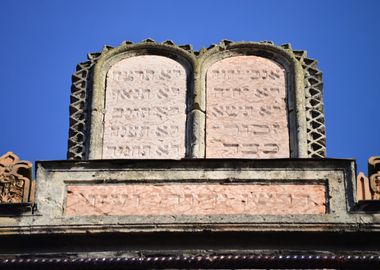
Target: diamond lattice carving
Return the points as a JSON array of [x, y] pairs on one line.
[[81, 89], [315, 120]]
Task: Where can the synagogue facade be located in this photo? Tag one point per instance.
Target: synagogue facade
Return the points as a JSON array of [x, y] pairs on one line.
[[210, 159]]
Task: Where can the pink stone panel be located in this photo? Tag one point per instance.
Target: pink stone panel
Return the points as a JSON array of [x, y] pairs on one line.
[[195, 199], [246, 115], [145, 109]]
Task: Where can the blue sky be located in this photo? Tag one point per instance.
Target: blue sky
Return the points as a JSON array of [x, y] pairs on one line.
[[43, 40]]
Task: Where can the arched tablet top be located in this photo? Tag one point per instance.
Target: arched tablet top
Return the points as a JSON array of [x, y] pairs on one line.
[[301, 143], [304, 89], [225, 49], [140, 102], [109, 56]]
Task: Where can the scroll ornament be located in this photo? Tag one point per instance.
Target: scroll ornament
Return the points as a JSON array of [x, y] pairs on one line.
[[15, 179]]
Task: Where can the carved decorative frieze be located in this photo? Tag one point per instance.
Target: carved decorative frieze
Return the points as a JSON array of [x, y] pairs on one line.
[[196, 199], [179, 193], [88, 110], [15, 179]]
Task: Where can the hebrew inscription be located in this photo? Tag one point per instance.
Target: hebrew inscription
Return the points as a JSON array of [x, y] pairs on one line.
[[145, 112], [195, 199], [246, 109]]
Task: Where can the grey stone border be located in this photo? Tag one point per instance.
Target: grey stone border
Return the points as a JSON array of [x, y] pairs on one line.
[[306, 117], [53, 176]]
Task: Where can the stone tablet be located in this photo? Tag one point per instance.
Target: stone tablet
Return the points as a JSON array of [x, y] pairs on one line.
[[145, 109], [196, 199], [246, 109], [154, 100]]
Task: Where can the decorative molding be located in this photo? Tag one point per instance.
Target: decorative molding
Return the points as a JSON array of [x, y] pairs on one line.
[[82, 89], [175, 184], [16, 185], [315, 120], [311, 260]]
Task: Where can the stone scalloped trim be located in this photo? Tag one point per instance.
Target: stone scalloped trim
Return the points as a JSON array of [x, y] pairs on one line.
[[315, 120], [81, 91]]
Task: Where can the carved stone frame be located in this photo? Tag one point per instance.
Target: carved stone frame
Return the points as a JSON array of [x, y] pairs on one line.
[[294, 85], [107, 59]]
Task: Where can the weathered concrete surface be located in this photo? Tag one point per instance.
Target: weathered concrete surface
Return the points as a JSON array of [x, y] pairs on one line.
[[55, 177], [145, 109], [246, 109], [195, 199]]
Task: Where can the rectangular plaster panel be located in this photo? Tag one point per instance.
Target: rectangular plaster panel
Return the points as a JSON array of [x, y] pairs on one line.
[[145, 109], [320, 196], [246, 109], [195, 199]]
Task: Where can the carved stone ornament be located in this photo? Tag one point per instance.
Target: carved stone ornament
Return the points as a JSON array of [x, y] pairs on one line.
[[154, 100], [15, 179], [374, 176], [368, 188]]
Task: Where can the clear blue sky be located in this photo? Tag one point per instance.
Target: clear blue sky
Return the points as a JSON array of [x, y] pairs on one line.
[[43, 40]]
